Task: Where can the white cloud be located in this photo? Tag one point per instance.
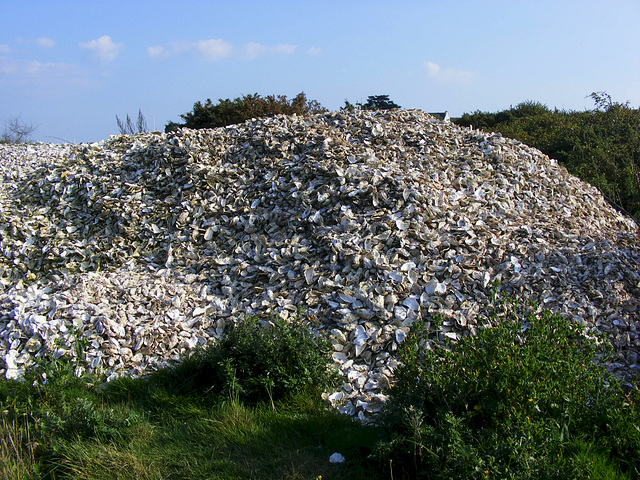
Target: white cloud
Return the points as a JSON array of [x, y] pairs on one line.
[[33, 67], [4, 49], [45, 42], [157, 52], [448, 74], [282, 49], [42, 42], [209, 50], [314, 51], [7, 65], [36, 76], [103, 48], [253, 50], [215, 49]]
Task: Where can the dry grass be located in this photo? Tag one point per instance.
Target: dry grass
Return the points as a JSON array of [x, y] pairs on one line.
[[17, 458]]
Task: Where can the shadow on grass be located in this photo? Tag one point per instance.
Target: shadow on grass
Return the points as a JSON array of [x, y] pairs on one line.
[[154, 428]]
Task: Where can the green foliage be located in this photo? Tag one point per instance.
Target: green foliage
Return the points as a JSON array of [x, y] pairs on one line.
[[600, 146], [348, 106], [516, 401], [521, 400], [229, 112], [379, 102], [374, 102], [171, 424], [256, 363]]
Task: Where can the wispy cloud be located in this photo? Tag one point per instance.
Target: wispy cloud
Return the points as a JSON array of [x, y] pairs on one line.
[[4, 48], [157, 52], [7, 65], [209, 50], [29, 74], [103, 48], [448, 74], [44, 42], [254, 50], [314, 51], [215, 49]]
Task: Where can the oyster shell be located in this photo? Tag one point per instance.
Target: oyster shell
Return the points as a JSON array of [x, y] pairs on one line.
[[146, 246]]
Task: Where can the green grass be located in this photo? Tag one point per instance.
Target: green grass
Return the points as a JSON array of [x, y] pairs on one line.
[[523, 399], [133, 429], [221, 413]]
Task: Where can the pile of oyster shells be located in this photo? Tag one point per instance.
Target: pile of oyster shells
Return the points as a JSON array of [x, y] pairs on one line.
[[133, 251]]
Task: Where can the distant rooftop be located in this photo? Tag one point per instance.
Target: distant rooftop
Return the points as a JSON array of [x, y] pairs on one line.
[[441, 116]]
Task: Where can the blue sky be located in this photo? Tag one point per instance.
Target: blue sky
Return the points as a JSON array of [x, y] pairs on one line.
[[71, 66]]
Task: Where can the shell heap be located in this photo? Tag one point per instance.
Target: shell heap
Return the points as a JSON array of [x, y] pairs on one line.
[[142, 247]]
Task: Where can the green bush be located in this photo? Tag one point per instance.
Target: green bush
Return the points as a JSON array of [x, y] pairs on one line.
[[254, 363], [600, 146], [228, 112], [519, 400]]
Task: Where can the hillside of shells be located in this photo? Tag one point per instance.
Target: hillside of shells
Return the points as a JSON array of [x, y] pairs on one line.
[[140, 248]]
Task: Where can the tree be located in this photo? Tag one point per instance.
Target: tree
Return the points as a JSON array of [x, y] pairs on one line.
[[379, 102], [17, 131], [348, 106]]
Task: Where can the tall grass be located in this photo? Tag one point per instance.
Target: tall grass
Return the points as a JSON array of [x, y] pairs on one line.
[[17, 450]]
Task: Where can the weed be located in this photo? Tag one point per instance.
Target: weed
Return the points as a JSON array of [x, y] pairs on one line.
[[258, 363]]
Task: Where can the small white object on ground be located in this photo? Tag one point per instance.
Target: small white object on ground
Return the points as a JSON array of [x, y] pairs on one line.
[[336, 458]]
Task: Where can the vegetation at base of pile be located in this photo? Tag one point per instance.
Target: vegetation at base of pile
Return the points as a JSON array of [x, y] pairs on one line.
[[252, 362], [238, 110], [522, 399], [600, 146], [259, 417]]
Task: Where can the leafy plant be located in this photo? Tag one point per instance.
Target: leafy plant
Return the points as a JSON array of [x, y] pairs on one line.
[[228, 112], [379, 102], [374, 102], [515, 401], [259, 363]]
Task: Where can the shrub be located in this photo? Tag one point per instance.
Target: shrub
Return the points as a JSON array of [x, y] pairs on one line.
[[600, 146], [374, 102], [516, 401], [255, 363], [228, 112], [17, 131]]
